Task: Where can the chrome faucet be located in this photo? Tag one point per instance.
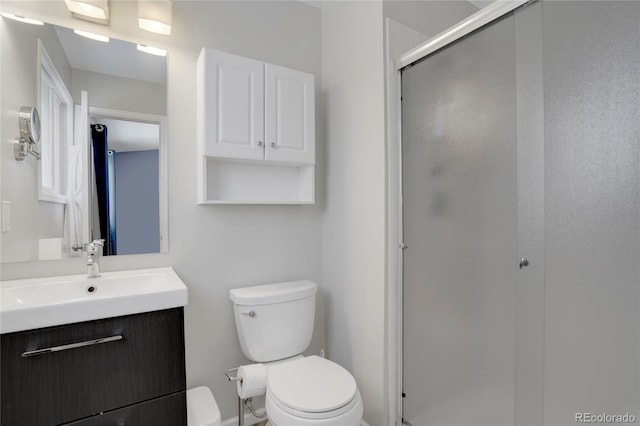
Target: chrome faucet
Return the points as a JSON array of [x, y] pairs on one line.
[[92, 257]]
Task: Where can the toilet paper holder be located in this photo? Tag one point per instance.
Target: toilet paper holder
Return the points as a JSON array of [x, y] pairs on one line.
[[240, 400], [244, 404], [233, 378]]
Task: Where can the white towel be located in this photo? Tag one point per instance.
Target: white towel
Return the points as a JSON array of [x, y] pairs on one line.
[[73, 209]]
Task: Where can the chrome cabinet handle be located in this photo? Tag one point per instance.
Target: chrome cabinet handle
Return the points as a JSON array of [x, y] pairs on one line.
[[250, 314], [71, 346]]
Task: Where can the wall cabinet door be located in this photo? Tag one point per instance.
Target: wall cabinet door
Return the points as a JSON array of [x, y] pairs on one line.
[[231, 105], [289, 115]]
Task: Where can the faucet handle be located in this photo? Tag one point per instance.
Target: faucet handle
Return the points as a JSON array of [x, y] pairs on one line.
[[98, 242], [92, 247]]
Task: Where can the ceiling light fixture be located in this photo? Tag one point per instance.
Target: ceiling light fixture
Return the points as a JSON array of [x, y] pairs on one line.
[[152, 50], [90, 10], [92, 36], [155, 16], [21, 18]]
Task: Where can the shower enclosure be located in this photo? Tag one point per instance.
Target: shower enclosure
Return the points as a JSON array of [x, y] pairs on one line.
[[521, 217]]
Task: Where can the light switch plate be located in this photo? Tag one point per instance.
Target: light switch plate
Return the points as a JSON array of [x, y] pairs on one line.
[[6, 216]]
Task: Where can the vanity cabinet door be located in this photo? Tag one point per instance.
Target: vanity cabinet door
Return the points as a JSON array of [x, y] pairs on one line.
[[230, 92], [53, 388], [166, 411], [289, 115]]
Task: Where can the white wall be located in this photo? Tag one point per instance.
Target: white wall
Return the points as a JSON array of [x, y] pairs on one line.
[[125, 94], [354, 220], [218, 248], [215, 248], [428, 17]]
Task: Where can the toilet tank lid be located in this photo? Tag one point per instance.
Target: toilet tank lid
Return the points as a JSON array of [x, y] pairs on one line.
[[273, 293]]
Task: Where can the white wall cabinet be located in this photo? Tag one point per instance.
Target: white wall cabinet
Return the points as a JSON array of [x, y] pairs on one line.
[[256, 131]]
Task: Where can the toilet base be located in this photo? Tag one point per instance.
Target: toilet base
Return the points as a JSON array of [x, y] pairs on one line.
[[268, 423], [280, 416]]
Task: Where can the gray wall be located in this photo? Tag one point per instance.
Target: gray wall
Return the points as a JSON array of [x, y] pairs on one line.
[[137, 202]]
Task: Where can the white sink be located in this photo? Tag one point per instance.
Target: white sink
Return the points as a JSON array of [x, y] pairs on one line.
[[44, 302]]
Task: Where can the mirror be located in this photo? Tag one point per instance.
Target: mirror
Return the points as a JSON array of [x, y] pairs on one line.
[[112, 179]]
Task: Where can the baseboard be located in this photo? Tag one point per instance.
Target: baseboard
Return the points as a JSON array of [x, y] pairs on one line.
[[249, 420]]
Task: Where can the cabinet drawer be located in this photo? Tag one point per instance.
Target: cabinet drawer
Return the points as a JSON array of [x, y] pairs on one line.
[[166, 411], [78, 381]]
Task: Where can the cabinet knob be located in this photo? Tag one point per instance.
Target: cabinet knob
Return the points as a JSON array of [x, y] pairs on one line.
[[273, 145], [259, 143]]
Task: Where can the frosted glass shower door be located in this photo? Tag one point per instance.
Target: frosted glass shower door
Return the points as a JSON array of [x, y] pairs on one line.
[[591, 57], [459, 218], [523, 139]]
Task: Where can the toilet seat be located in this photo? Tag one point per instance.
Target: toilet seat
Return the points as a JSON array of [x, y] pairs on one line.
[[312, 388], [323, 415]]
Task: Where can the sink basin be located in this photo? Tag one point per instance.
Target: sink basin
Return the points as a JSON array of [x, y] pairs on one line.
[[44, 302]]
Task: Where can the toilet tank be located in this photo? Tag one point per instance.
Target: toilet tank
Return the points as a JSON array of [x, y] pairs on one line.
[[274, 321]]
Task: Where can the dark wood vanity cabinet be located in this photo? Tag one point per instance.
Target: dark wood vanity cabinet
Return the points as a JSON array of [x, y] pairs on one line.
[[123, 371]]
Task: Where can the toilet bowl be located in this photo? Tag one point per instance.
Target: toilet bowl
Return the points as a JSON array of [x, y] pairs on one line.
[[202, 409], [312, 391]]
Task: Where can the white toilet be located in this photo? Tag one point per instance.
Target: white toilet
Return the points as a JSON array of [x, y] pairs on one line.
[[275, 323]]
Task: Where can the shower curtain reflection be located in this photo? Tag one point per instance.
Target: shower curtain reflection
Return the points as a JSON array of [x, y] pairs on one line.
[[104, 169]]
